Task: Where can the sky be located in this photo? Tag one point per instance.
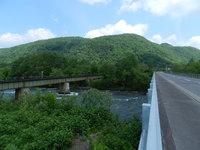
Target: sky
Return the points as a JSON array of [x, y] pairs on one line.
[[176, 22]]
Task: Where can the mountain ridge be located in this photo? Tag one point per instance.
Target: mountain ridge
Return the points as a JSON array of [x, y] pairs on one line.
[[106, 48]]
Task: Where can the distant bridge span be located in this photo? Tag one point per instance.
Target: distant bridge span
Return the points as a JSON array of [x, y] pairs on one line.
[[20, 85]]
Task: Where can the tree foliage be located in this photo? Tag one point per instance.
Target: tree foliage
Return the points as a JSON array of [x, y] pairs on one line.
[[123, 136], [95, 98], [192, 67], [103, 49], [127, 74], [41, 122]]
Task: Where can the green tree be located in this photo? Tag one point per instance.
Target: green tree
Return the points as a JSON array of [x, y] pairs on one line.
[[33, 65], [95, 98], [56, 72]]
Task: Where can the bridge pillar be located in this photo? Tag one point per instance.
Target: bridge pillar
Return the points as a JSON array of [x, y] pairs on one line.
[[64, 88], [88, 82], [21, 91]]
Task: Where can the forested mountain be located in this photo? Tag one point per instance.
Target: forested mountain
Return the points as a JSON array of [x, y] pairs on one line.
[[186, 52], [105, 49]]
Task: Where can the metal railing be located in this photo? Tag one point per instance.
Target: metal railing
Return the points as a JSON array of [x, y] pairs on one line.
[[151, 132], [47, 78], [186, 75], [36, 82]]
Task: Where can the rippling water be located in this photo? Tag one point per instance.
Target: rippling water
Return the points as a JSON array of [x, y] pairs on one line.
[[125, 104], [128, 104]]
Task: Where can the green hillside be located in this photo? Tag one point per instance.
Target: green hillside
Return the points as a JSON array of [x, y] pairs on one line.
[[185, 52], [105, 49]]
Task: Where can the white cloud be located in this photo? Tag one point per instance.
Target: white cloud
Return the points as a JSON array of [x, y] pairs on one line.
[[172, 39], [174, 8], [129, 5], [91, 2], [194, 41], [118, 28], [11, 39]]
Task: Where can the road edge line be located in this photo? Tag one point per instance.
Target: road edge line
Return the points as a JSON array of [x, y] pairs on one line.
[[187, 92]]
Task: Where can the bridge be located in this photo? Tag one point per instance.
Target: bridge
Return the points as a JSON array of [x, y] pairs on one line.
[[21, 85], [171, 118]]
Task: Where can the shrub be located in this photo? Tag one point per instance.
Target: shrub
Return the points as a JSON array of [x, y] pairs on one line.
[[42, 122], [123, 136], [95, 98]]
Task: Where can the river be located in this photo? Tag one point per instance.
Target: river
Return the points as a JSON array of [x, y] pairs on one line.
[[125, 104]]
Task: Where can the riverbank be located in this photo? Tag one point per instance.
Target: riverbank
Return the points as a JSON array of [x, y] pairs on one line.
[[40, 121], [125, 103]]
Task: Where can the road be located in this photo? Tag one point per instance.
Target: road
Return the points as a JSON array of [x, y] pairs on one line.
[[179, 108]]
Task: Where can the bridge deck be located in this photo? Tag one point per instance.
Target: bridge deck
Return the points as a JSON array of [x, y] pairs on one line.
[[26, 83], [179, 112]]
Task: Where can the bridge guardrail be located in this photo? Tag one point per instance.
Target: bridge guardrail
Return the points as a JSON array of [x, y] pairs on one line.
[[151, 132], [186, 75], [26, 83], [46, 78]]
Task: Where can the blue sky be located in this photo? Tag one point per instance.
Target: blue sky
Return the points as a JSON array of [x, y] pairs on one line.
[[173, 21]]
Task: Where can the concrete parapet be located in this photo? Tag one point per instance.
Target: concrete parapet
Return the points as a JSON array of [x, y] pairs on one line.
[[149, 95], [151, 85], [145, 115], [145, 122], [151, 132]]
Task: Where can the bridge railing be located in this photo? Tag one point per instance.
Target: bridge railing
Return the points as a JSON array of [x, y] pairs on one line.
[[46, 78], [186, 74], [151, 132]]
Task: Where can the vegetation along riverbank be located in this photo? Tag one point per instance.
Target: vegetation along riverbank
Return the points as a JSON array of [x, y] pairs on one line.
[[41, 122]]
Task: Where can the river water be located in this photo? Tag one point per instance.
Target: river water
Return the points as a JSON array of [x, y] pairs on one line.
[[125, 104]]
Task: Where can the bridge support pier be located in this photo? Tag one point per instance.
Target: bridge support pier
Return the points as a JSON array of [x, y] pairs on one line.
[[21, 91], [64, 88], [88, 82]]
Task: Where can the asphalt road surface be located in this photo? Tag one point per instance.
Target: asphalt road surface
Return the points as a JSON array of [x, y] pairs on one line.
[[179, 108]]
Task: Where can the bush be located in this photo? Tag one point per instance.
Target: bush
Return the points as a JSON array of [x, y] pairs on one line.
[[69, 102], [41, 122], [123, 136], [95, 98]]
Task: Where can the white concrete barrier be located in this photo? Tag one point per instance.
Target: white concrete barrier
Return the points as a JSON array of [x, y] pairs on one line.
[[151, 132]]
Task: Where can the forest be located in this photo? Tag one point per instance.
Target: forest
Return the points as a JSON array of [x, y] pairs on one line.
[[106, 49], [192, 67], [127, 74]]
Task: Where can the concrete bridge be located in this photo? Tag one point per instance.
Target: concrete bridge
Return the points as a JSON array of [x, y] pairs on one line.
[[171, 118], [22, 85]]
